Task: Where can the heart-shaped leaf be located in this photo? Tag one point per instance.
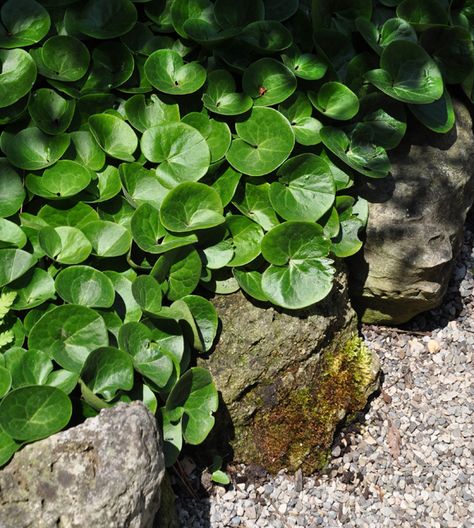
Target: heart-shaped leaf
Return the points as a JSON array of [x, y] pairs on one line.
[[191, 206], [62, 58], [266, 36], [85, 286], [305, 188], [422, 14], [194, 399], [11, 235], [114, 136], [32, 289], [265, 140], [254, 201], [145, 113], [335, 100], [206, 319], [220, 96], [246, 239], [67, 245], [181, 151], [13, 264], [304, 65], [24, 22], [69, 333], [299, 274], [438, 116], [17, 76], [12, 192], [251, 283], [147, 292], [33, 368], [31, 413], [31, 149], [107, 238], [167, 72], [51, 112], [216, 133]]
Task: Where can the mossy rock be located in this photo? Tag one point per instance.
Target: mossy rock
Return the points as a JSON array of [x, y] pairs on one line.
[[288, 379]]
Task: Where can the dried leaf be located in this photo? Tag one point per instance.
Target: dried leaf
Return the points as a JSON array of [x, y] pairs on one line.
[[393, 440]]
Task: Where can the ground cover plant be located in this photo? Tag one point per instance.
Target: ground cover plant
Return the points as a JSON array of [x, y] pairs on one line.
[[158, 152]]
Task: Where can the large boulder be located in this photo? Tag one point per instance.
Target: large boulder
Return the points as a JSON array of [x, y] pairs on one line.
[[104, 473], [416, 219], [287, 379]]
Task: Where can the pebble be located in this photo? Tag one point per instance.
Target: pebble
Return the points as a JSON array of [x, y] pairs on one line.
[[427, 396]]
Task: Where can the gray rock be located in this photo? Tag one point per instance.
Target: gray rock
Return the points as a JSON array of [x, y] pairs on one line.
[[287, 379], [105, 472], [416, 219]]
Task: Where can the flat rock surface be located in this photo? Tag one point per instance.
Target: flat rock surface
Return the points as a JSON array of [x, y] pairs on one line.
[[410, 463], [104, 473]]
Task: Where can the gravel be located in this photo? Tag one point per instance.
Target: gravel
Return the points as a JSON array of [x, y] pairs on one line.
[[409, 464]]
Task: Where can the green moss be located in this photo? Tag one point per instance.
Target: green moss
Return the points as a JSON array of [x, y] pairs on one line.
[[299, 430]]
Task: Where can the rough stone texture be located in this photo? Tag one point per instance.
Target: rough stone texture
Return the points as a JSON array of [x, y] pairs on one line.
[[415, 223], [287, 379], [104, 473]]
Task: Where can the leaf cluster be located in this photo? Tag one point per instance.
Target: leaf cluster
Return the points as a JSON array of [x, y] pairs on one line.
[[156, 152]]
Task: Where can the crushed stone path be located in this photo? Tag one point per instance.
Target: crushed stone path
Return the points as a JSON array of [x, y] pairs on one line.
[[410, 464]]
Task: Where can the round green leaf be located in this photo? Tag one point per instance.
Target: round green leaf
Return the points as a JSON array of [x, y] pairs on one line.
[[142, 185], [335, 100], [13, 264], [268, 82], [31, 413], [60, 215], [251, 283], [422, 14], [146, 113], [15, 111], [206, 318], [107, 238], [114, 136], [86, 150], [191, 206], [33, 368], [266, 36], [407, 74], [8, 447], [220, 96], [17, 76], [147, 292], [208, 33], [63, 379], [11, 235], [305, 188], [246, 238], [299, 275], [438, 116], [196, 396], [253, 201], [265, 140], [85, 286], [108, 370], [365, 157], [304, 65], [63, 180], [31, 149], [67, 245], [185, 10], [128, 310], [69, 333], [167, 72], [216, 133], [181, 151], [102, 19], [24, 22], [32, 289], [63, 58], [230, 14], [51, 112], [280, 9]]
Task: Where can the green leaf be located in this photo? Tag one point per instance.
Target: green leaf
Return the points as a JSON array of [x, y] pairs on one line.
[[86, 150], [62, 58], [63, 180], [172, 437], [31, 149], [438, 116], [180, 150], [33, 368], [220, 96], [32, 289], [114, 136], [335, 100], [11, 235], [7, 447], [254, 201], [145, 113], [407, 74], [251, 283], [220, 477], [246, 238], [31, 413], [60, 215], [194, 399], [216, 133], [51, 112], [106, 371], [85, 286], [226, 183], [235, 15], [266, 36], [147, 232], [12, 192], [63, 379], [102, 19], [130, 309], [107, 238], [191, 206], [299, 275], [268, 82], [422, 14], [205, 317], [24, 22], [304, 65], [13, 264], [265, 140], [167, 72], [185, 10], [69, 333], [280, 9], [18, 74], [147, 292], [5, 383], [65, 244], [181, 268], [305, 188], [142, 185]]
